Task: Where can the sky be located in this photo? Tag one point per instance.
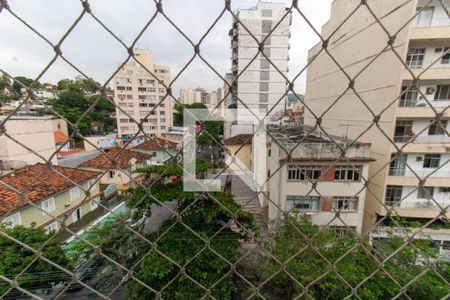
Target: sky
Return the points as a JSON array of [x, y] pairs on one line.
[[95, 52]]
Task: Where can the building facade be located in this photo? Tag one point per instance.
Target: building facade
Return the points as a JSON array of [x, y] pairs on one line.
[[55, 198], [160, 149], [137, 93], [406, 111], [36, 133], [260, 86], [316, 181]]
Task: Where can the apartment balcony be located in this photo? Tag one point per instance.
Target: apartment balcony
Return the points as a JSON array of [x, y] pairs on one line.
[[430, 74], [422, 109], [439, 29], [439, 178]]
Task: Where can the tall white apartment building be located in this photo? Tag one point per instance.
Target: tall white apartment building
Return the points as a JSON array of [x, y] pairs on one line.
[[260, 86], [190, 96], [422, 41], [137, 92]]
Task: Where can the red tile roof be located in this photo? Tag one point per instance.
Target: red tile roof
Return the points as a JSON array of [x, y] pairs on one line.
[[239, 139], [38, 182], [155, 143], [60, 137], [121, 158], [70, 152]]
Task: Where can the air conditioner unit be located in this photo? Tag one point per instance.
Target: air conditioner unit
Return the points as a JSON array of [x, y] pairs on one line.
[[419, 158], [431, 90]]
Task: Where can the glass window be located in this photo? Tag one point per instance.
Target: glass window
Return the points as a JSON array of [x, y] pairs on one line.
[[13, 220], [76, 215], [397, 166], [347, 173], [94, 204], [263, 98], [437, 128], [305, 203], [415, 57], [111, 174], [446, 57], [425, 192], [129, 88], [264, 75], [409, 96], [424, 16], [304, 173], [74, 193], [263, 86], [393, 195], [343, 230], [48, 206], [345, 203], [442, 93], [431, 160], [403, 131], [266, 12], [266, 26], [51, 227], [264, 64], [92, 185]]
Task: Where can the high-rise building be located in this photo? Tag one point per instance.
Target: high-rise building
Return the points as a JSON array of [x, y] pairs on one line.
[[189, 96], [386, 95], [260, 86], [137, 92]]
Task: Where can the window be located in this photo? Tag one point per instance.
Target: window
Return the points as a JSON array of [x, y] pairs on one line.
[[437, 128], [302, 173], [425, 192], [442, 93], [151, 97], [397, 166], [48, 206], [123, 128], [266, 26], [92, 185], [161, 97], [305, 203], [161, 90], [445, 245], [130, 105], [424, 16], [122, 104], [266, 12], [446, 57], [94, 204], [264, 64], [403, 131], [76, 215], [431, 160], [111, 174], [266, 52], [123, 120], [120, 88], [51, 227], [263, 86], [347, 173], [343, 230], [263, 98], [142, 89], [129, 96], [264, 75], [151, 90], [267, 40], [393, 195], [263, 108], [345, 203], [74, 193], [150, 81], [415, 57], [13, 220], [409, 96], [129, 88]]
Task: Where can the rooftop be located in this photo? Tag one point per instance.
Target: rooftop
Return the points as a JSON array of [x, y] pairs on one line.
[[38, 182], [240, 139], [155, 143], [60, 137], [74, 160], [115, 158]]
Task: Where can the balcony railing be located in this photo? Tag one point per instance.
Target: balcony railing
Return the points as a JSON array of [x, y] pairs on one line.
[[432, 63], [423, 139], [435, 22], [423, 103], [425, 172]]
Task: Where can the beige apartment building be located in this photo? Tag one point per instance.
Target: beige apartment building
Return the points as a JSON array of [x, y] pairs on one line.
[[358, 43], [138, 93], [316, 181]]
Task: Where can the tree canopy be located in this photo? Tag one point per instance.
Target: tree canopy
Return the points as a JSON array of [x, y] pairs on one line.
[[14, 258]]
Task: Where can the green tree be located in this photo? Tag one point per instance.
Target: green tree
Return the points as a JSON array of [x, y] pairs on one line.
[[312, 267], [179, 111], [64, 84], [19, 81], [14, 258]]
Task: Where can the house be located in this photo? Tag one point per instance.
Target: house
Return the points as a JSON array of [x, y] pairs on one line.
[[239, 146], [118, 165], [159, 148], [51, 196]]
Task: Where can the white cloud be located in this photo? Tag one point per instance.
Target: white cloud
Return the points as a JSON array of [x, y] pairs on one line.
[[97, 54]]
